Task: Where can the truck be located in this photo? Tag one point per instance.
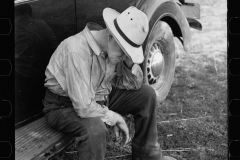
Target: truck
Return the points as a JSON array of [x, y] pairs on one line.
[[34, 139]]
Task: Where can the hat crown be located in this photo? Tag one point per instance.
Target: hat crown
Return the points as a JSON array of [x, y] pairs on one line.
[[134, 24]]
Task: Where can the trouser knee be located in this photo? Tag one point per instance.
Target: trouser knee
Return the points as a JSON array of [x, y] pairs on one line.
[[148, 97], [97, 130], [148, 91]]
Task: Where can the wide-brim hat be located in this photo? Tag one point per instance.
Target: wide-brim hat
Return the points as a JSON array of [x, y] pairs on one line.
[[129, 29]]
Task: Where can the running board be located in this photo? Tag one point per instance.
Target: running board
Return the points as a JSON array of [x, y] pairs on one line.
[[38, 141]]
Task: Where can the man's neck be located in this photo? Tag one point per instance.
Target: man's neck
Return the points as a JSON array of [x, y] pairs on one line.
[[102, 38]]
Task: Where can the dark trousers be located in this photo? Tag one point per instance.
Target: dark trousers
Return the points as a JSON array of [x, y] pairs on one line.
[[91, 133]]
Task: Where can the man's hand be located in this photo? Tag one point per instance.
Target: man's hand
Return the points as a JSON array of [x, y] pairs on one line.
[[121, 124]]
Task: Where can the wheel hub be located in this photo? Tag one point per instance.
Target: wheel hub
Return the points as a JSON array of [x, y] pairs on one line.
[[155, 63]]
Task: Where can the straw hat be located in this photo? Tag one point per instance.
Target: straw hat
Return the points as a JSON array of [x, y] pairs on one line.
[[129, 29]]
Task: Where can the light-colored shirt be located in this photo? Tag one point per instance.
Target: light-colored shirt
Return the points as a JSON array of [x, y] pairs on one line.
[[78, 69]]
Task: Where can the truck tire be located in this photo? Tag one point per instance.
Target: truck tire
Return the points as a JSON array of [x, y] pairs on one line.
[[159, 62]]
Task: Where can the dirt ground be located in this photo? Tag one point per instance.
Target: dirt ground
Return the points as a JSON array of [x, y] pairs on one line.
[[199, 92], [192, 121]]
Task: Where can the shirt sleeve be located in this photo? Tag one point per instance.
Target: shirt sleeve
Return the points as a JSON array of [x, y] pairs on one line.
[[80, 91], [130, 79]]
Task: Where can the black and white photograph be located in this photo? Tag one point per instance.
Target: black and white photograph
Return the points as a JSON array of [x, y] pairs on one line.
[[121, 79]]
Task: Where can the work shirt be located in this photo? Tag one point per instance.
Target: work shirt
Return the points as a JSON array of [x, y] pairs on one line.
[[79, 69]]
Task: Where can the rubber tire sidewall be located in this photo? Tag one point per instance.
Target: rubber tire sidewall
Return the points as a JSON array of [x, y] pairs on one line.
[[162, 32]]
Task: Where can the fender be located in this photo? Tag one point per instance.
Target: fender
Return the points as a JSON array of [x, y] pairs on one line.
[[158, 10], [19, 2]]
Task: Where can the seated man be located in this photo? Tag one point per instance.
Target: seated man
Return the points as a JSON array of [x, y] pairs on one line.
[[93, 78]]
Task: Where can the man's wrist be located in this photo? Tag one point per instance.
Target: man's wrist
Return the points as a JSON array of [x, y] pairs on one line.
[[111, 118]]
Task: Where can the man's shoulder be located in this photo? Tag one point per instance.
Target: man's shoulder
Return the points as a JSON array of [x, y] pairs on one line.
[[76, 43], [77, 38]]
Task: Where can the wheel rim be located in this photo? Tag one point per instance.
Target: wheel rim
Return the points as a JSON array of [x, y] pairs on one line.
[[159, 63], [155, 63]]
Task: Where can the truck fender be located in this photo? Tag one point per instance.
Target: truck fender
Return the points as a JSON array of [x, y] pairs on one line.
[[170, 12], [194, 23]]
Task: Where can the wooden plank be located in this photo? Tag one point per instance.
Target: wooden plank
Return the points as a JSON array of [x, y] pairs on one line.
[[34, 138]]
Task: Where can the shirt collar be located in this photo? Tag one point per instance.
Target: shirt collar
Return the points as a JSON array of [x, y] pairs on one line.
[[90, 39]]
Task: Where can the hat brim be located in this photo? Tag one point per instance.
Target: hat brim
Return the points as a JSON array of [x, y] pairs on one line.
[[136, 54]]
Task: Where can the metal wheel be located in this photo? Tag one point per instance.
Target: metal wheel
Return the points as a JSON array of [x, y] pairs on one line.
[[159, 63], [155, 63]]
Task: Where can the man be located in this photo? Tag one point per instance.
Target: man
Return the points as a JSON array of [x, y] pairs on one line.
[[93, 78], [34, 45]]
